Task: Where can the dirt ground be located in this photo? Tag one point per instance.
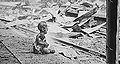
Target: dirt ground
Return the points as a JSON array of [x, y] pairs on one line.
[[6, 57], [16, 44], [21, 47]]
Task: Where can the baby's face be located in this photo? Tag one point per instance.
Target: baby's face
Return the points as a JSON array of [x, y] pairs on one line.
[[44, 29]]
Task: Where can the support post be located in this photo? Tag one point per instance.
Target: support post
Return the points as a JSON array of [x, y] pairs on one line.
[[111, 31]]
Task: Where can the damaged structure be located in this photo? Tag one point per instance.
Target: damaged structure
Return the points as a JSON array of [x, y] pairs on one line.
[[76, 30]]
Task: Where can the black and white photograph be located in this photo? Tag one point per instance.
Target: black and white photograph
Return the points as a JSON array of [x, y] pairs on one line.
[[53, 32]]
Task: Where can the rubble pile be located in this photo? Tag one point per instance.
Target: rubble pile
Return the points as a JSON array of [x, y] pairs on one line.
[[76, 30]]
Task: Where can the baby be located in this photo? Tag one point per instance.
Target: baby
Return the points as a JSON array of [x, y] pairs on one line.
[[40, 45]]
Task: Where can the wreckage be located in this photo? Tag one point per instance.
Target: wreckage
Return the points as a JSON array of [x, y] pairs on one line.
[[61, 19]]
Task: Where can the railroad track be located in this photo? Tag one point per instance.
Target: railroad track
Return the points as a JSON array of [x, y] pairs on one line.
[[11, 53], [96, 53]]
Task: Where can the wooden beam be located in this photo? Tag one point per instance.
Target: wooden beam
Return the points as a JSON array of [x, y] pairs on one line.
[[111, 31], [96, 53], [87, 15]]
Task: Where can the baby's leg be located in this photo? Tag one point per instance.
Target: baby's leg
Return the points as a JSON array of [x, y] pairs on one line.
[[36, 51], [47, 51]]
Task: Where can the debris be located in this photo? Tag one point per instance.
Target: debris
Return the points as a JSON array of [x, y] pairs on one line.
[[5, 20], [22, 17], [76, 36], [100, 18], [87, 4], [90, 30], [87, 15], [70, 26], [71, 13]]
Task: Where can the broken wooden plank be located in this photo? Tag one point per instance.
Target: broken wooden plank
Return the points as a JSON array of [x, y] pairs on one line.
[[100, 14], [100, 19], [82, 13], [101, 33], [90, 30], [63, 11], [5, 20], [32, 7], [80, 24], [86, 20], [22, 17], [68, 19], [87, 15], [86, 4], [71, 12]]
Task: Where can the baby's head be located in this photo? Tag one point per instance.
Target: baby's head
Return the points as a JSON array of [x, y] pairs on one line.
[[42, 27]]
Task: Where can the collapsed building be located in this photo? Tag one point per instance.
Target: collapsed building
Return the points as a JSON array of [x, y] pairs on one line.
[[75, 26]]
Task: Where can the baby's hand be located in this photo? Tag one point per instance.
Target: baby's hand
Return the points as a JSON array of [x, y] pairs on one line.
[[46, 45]]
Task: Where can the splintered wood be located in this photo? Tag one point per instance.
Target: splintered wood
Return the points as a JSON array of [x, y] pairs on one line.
[[18, 29]]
